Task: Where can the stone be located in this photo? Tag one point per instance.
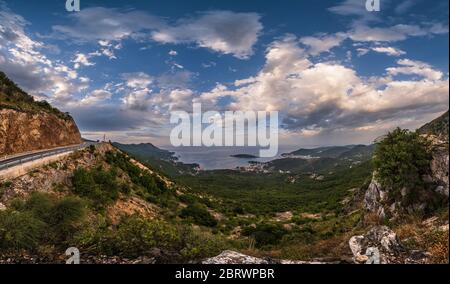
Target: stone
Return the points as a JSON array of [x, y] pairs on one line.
[[232, 257], [361, 258], [2, 207], [376, 246]]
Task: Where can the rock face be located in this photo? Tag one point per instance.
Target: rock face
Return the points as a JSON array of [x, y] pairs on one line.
[[439, 168], [22, 131], [381, 246], [374, 198]]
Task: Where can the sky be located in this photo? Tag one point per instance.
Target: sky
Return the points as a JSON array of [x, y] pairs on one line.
[[337, 73]]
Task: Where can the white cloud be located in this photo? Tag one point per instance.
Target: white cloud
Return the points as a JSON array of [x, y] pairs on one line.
[[327, 96], [138, 80], [391, 51], [411, 67], [23, 61], [317, 45], [96, 96], [173, 53], [81, 60], [364, 33], [221, 31]]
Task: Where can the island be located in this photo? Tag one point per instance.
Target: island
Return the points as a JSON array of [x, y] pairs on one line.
[[244, 156]]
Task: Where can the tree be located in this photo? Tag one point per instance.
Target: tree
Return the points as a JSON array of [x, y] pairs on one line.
[[401, 160]]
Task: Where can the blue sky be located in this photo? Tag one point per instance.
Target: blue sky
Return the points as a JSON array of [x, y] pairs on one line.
[[337, 73]]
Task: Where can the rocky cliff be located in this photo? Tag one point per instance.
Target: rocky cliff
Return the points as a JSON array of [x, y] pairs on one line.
[[24, 131]]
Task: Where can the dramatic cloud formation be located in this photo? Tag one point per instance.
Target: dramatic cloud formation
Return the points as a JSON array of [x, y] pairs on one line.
[[222, 31], [126, 70], [22, 59], [329, 96]]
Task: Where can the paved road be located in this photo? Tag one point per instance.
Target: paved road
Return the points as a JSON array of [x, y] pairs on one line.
[[17, 160]]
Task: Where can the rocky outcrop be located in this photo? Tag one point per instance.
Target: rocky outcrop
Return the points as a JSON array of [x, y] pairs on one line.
[[439, 168], [374, 198], [23, 131], [379, 201], [381, 246], [232, 257]]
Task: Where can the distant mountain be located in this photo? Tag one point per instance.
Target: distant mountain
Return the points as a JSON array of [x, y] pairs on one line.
[[160, 159], [348, 151], [321, 152], [322, 159], [146, 150], [438, 127]]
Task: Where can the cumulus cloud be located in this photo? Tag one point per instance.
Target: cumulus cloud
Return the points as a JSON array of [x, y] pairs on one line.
[[21, 59], [138, 80], [81, 60], [391, 51], [96, 96], [321, 97], [317, 45], [411, 67], [221, 31]]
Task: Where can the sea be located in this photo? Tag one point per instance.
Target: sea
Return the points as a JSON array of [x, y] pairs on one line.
[[215, 158]]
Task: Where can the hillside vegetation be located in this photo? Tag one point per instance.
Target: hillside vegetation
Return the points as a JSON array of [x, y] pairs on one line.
[[13, 97]]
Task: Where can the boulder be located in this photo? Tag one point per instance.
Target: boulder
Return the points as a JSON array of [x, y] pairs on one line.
[[381, 246], [232, 257]]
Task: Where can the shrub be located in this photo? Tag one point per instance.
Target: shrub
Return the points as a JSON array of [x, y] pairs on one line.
[[135, 236], [199, 215], [39, 220], [265, 233], [98, 185], [19, 230]]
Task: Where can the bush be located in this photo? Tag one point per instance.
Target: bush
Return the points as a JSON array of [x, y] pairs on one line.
[[136, 236], [39, 220], [401, 160], [265, 234], [100, 186], [199, 215], [20, 230]]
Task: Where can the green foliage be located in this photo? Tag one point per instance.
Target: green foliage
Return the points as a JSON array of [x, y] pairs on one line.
[[39, 220], [199, 215], [265, 233], [401, 160], [98, 185], [135, 236], [138, 176], [268, 193], [19, 230]]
